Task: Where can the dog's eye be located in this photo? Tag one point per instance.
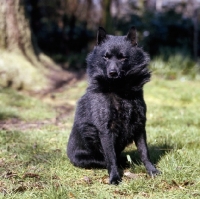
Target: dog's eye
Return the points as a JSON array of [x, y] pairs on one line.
[[121, 57], [107, 56]]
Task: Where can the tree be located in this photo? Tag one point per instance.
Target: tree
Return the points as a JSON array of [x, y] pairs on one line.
[[22, 65], [106, 21]]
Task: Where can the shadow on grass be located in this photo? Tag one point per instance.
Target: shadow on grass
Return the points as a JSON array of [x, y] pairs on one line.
[[36, 149], [156, 152], [30, 151], [7, 115]]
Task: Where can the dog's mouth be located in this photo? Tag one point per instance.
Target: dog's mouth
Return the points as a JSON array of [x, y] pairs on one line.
[[115, 75]]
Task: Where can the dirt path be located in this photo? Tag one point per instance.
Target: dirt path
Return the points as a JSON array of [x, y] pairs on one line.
[[16, 124], [60, 81], [60, 78]]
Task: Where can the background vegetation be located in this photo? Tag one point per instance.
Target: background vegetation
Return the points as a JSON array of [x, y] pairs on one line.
[[69, 31], [40, 38], [43, 46]]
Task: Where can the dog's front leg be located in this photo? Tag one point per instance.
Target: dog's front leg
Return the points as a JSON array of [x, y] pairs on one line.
[[140, 141], [110, 157]]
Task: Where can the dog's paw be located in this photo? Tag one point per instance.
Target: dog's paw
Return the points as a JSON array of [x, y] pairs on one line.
[[154, 172], [115, 179]]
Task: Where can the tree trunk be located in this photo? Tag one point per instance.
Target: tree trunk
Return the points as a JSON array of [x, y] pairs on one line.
[[20, 63], [106, 21]]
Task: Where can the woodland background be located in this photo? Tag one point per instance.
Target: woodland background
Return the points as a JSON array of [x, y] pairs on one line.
[[39, 37]]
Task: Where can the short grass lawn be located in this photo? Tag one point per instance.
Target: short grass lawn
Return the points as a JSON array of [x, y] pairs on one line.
[[34, 133]]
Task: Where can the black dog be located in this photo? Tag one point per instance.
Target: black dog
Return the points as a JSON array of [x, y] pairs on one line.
[[112, 113]]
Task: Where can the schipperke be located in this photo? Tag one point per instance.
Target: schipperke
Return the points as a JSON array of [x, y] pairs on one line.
[[112, 112]]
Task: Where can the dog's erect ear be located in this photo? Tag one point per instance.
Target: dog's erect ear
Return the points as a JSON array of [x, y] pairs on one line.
[[101, 35], [132, 36]]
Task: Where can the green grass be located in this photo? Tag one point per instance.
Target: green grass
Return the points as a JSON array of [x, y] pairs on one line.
[[176, 66], [18, 105], [33, 162]]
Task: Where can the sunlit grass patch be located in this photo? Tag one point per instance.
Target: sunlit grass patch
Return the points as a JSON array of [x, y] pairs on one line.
[[17, 105], [33, 162], [176, 66]]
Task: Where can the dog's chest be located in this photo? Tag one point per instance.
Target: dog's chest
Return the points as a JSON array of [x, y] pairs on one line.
[[120, 109], [123, 114], [126, 119]]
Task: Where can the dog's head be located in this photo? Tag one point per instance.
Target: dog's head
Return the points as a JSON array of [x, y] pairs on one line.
[[118, 57]]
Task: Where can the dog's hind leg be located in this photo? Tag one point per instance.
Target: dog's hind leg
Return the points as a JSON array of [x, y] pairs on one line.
[[85, 159]]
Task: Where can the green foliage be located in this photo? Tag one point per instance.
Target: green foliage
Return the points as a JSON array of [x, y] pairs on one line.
[[161, 30], [33, 162], [74, 61], [67, 35], [176, 66]]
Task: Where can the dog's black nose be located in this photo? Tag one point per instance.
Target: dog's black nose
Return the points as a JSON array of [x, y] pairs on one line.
[[113, 73]]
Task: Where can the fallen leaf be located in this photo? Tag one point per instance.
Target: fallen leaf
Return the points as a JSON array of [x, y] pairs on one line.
[[120, 192], [20, 189], [87, 180], [2, 162], [146, 195], [130, 175], [55, 177], [71, 195], [186, 183], [3, 188], [9, 174], [104, 180], [31, 175], [57, 150], [175, 183]]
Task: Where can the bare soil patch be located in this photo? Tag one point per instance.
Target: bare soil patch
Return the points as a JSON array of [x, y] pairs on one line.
[[60, 81]]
